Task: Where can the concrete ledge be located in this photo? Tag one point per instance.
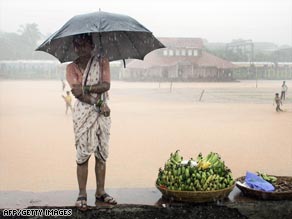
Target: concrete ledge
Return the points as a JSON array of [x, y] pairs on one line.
[[20, 199], [148, 203]]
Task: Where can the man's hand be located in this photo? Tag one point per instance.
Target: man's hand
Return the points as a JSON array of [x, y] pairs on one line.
[[77, 90], [105, 110], [86, 89]]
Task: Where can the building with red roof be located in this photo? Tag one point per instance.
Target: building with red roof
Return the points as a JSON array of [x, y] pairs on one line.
[[183, 59]]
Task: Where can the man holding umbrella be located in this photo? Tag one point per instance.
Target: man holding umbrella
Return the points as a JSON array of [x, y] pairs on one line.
[[91, 41], [89, 78]]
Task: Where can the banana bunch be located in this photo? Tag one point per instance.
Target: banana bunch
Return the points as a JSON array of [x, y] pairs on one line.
[[212, 159], [210, 173], [269, 178]]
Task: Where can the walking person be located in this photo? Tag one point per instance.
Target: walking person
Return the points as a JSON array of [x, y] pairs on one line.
[[68, 101], [63, 84], [89, 78], [284, 89], [278, 102]]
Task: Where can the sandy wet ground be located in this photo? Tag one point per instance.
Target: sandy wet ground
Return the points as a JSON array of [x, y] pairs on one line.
[[236, 120]]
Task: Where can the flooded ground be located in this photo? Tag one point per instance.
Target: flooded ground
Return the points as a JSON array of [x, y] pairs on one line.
[[237, 120]]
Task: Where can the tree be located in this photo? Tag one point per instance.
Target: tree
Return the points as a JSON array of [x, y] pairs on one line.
[[21, 45], [30, 34]]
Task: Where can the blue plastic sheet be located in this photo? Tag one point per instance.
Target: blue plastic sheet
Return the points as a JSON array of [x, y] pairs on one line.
[[256, 182]]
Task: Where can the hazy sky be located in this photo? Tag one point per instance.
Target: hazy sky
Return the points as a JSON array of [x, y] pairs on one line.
[[214, 20]]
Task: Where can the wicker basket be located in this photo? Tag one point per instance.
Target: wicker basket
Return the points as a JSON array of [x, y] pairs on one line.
[[283, 195], [195, 196]]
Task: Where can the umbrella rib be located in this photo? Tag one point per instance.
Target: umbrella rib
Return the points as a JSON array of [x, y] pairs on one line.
[[117, 46], [127, 34]]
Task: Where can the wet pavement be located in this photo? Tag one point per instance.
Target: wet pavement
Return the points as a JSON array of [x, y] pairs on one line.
[[19, 199]]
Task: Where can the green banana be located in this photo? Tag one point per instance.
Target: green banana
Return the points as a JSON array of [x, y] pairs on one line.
[[269, 178], [199, 157], [177, 157]]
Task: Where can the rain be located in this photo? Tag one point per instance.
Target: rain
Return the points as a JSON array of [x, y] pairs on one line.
[[194, 76]]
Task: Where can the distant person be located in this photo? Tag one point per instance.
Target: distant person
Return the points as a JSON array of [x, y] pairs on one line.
[[278, 102], [68, 101], [63, 84], [284, 90]]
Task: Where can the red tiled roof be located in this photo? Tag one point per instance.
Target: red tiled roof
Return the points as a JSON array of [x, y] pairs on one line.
[[154, 59], [182, 42], [208, 59]]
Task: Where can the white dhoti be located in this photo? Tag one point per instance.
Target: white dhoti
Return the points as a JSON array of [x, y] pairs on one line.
[[95, 140], [92, 130]]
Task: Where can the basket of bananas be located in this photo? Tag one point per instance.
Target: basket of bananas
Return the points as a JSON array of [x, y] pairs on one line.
[[205, 179], [282, 187]]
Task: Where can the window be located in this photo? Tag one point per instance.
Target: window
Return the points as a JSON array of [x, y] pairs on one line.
[[183, 52], [190, 52], [165, 52], [177, 52], [170, 52], [195, 52]]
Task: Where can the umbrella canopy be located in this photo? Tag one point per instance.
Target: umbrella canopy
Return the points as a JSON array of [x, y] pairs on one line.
[[119, 36]]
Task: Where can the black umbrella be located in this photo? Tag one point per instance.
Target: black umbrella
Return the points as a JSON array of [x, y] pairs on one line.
[[119, 36]]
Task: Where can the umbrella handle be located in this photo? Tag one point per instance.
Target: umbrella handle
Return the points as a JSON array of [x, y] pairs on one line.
[[100, 45]]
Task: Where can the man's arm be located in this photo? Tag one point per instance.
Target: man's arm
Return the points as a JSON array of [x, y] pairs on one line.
[[105, 79], [76, 87], [79, 94], [97, 88]]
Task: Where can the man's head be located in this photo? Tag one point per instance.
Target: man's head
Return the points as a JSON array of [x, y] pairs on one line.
[[277, 94], [68, 92], [83, 44]]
